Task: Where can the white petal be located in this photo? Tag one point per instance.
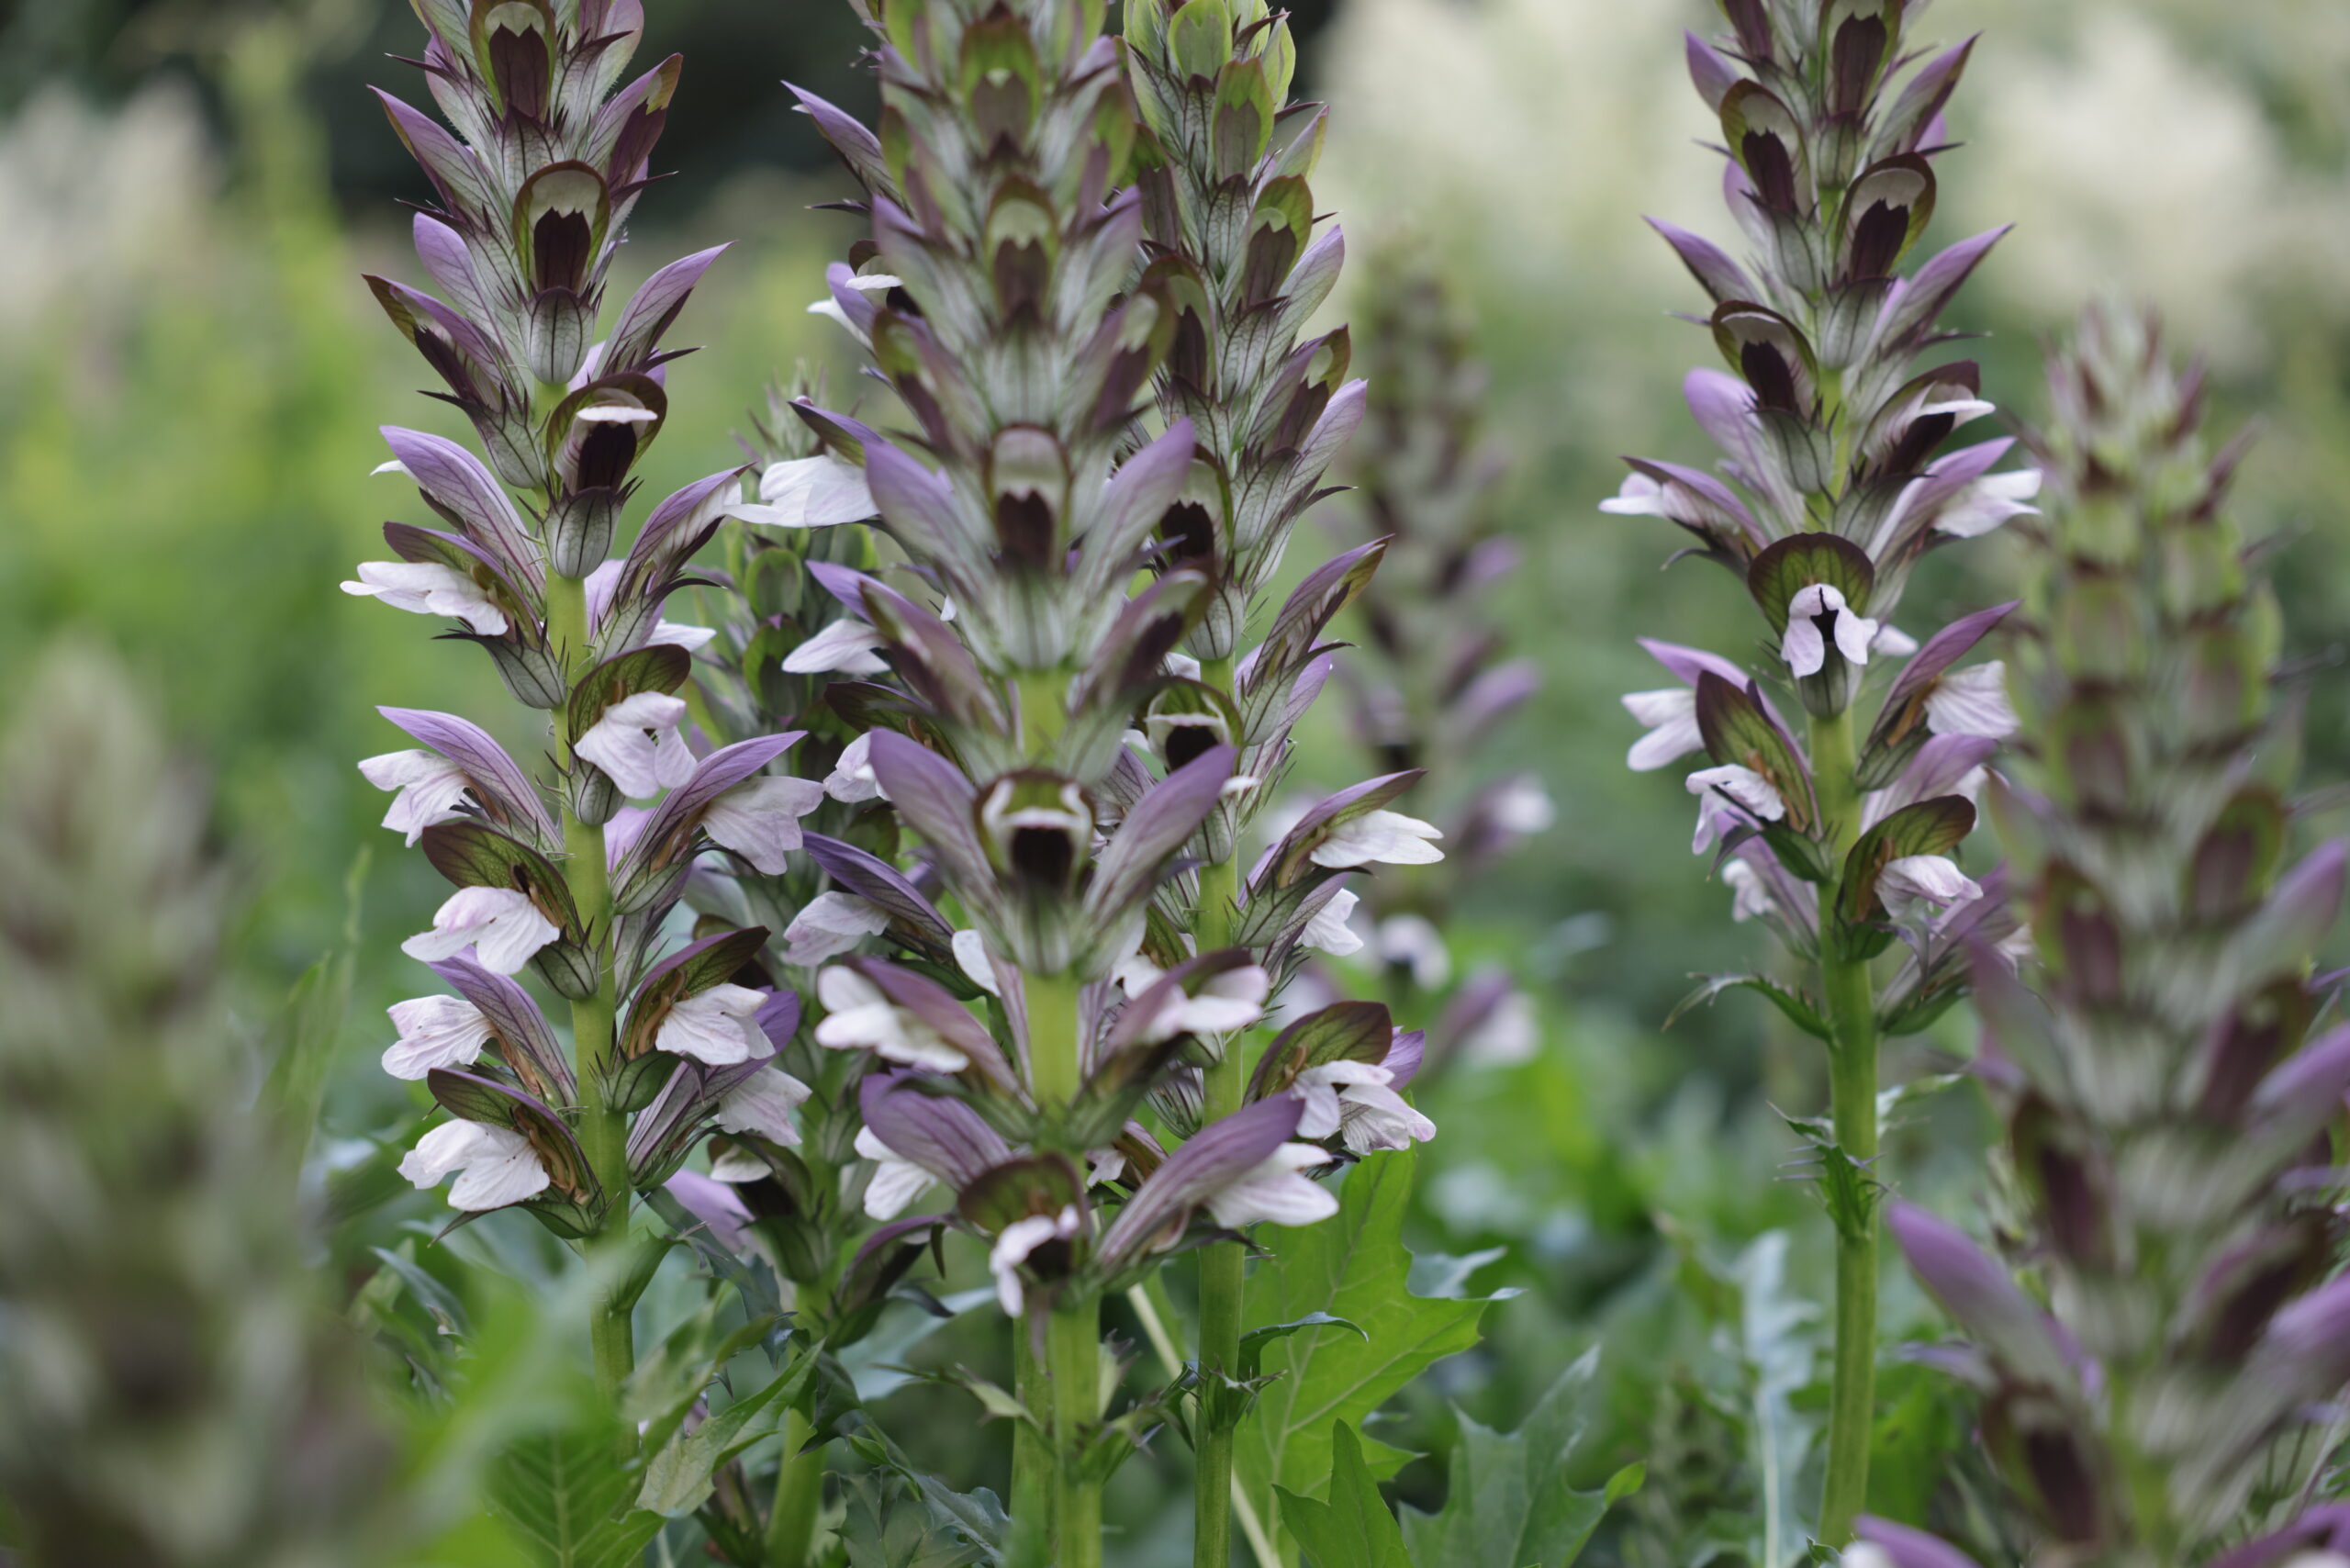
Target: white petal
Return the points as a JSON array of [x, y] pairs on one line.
[[1803, 649], [1746, 788], [506, 1169], [435, 1031], [852, 778], [637, 745], [845, 645], [1855, 634], [444, 1149], [809, 492], [1639, 497], [1893, 641], [719, 1028], [971, 957], [763, 1104], [759, 820], [678, 635], [1376, 1117], [1386, 837], [1923, 884], [1412, 942], [1275, 1193], [1329, 930], [428, 587], [1972, 702], [830, 924], [503, 927], [1988, 502]]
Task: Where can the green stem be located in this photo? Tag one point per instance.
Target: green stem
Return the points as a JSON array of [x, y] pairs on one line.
[[798, 1498], [1851, 1019], [1032, 1451], [604, 1127], [1223, 1272], [1073, 1358]]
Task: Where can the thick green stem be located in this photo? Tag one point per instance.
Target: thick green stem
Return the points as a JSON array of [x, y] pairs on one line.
[[1073, 1359], [1851, 1017], [1032, 1451], [798, 1498], [1223, 1267], [604, 1127]]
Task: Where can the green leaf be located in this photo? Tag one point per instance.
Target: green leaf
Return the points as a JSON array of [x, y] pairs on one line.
[[1794, 1004], [1353, 1266], [1507, 1498], [1353, 1530], [678, 1478], [564, 1494]]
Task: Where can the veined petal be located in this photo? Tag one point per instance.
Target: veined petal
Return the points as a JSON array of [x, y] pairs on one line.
[[427, 788], [762, 1104], [428, 587], [846, 646], [828, 925], [1671, 716], [1275, 1193], [852, 778], [637, 744], [503, 927], [435, 1031], [1328, 930], [719, 1028], [1924, 884], [1972, 702], [1385, 837], [760, 820], [809, 492]]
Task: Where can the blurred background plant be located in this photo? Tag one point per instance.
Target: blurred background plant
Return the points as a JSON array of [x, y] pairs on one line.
[[188, 192]]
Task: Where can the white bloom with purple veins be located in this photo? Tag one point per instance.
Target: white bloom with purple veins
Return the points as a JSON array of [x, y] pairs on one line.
[[1388, 838], [1972, 702], [428, 587], [1273, 1191], [496, 1166], [971, 956], [1015, 1242], [828, 925], [846, 646], [895, 1183], [1988, 502], [821, 491], [428, 789], [852, 778], [864, 1018], [435, 1031], [1805, 647], [1329, 931], [1924, 885], [1748, 790], [1671, 719], [759, 819], [502, 926], [1352, 1098], [1749, 893], [762, 1104], [637, 744], [719, 1028]]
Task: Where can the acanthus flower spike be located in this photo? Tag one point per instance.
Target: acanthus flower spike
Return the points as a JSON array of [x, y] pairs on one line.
[[1829, 489]]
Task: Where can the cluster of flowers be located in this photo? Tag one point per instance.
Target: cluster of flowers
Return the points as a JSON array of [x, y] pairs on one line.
[[1429, 683], [2161, 1394], [1082, 763], [575, 878], [1829, 492]]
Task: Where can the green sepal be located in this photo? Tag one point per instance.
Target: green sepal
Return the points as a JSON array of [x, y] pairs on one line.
[[658, 667], [475, 855], [1930, 827], [1346, 1031], [1737, 732]]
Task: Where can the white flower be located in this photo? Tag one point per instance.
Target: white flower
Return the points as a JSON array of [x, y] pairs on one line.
[[830, 924], [428, 587], [1524, 808], [852, 778], [865, 283], [498, 1165], [1894, 641], [895, 1183], [863, 1018], [1671, 716], [719, 1028], [1972, 702], [1104, 1165], [429, 788], [678, 635], [637, 744], [763, 1104], [1751, 895], [1744, 787], [2017, 946], [1352, 1098], [1988, 502], [1329, 931], [1804, 649], [1412, 942], [1233, 1000], [1507, 1036], [846, 645], [435, 1031], [971, 957], [808, 492], [1015, 1242], [1919, 885], [1388, 837], [759, 819], [1274, 1191], [502, 926]]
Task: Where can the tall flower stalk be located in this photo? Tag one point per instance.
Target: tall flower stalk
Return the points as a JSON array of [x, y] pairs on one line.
[[558, 875], [1058, 754], [1429, 681], [1829, 493], [2156, 1381]]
